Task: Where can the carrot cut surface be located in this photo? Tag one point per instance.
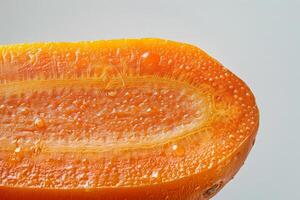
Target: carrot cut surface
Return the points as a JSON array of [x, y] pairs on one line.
[[120, 119]]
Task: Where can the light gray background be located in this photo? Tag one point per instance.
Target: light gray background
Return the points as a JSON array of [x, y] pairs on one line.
[[257, 40]]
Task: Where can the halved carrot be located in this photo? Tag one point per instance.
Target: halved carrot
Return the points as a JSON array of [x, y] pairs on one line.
[[121, 119]]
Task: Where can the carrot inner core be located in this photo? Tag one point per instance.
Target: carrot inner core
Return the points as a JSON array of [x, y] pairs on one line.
[[97, 116]]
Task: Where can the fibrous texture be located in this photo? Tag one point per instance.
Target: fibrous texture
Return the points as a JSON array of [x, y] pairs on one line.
[[120, 119]]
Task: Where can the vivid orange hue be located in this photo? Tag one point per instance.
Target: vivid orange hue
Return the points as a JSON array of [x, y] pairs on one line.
[[121, 119]]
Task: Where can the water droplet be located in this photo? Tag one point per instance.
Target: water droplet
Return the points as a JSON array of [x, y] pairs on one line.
[[70, 109], [198, 169], [144, 176], [15, 141], [24, 111], [174, 147], [210, 165], [17, 150], [178, 150], [39, 123], [69, 167], [154, 174], [112, 93], [2, 108], [148, 110], [85, 185], [145, 55]]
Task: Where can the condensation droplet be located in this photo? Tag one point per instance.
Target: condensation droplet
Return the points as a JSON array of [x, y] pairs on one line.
[[112, 93], [39, 123], [178, 150], [210, 165], [145, 55], [69, 167], [154, 174], [85, 185], [174, 147], [17, 150], [2, 108], [24, 111], [198, 169]]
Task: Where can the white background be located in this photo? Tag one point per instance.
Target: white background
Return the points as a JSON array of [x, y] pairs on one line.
[[259, 40]]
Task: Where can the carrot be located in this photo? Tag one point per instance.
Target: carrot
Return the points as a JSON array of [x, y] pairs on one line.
[[120, 119]]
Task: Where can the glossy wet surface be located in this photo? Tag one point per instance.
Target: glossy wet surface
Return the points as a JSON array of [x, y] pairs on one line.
[[96, 136], [74, 115]]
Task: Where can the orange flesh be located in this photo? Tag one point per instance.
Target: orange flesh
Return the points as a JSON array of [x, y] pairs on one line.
[[121, 114], [96, 116]]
